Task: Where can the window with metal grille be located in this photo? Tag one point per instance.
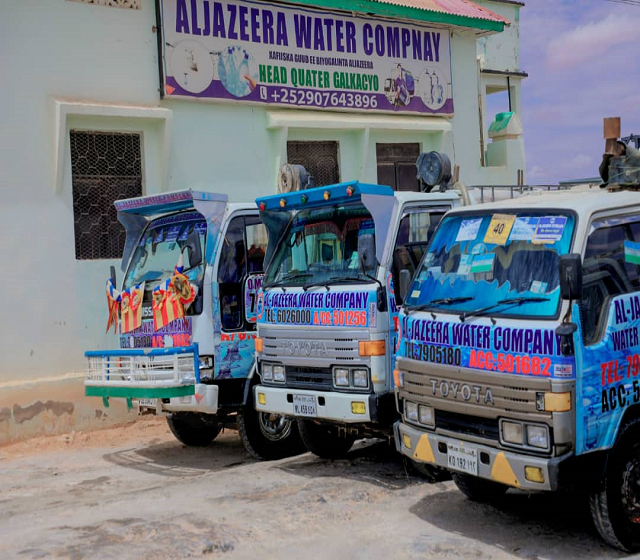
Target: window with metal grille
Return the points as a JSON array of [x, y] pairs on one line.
[[105, 167], [319, 158], [397, 166]]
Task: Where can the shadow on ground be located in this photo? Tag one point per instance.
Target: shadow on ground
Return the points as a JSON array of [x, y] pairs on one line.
[[174, 459], [369, 461], [560, 523]]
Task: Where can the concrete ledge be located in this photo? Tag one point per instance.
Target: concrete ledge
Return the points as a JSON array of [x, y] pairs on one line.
[[54, 406]]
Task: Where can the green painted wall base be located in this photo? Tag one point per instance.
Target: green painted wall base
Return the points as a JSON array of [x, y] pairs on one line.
[[140, 392]]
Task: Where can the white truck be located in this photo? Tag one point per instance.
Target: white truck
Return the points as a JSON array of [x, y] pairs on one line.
[[327, 317]]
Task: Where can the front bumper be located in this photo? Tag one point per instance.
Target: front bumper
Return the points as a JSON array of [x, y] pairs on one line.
[[329, 406], [502, 466]]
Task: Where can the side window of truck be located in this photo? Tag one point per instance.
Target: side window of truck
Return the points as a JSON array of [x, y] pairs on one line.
[[414, 233], [242, 253], [606, 271], [232, 269]]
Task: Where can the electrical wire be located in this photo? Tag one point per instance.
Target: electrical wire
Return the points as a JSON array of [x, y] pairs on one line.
[[627, 2]]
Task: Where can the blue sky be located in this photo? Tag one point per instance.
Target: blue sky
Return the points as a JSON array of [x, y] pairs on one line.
[[583, 61]]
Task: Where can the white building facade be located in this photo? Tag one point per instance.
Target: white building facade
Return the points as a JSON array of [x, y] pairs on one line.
[[117, 98]]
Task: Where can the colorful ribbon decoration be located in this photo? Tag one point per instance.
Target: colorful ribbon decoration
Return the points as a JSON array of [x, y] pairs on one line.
[[172, 298], [113, 304], [131, 308]]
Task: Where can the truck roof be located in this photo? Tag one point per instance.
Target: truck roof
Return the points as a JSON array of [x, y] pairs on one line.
[[342, 192], [164, 203], [581, 200]]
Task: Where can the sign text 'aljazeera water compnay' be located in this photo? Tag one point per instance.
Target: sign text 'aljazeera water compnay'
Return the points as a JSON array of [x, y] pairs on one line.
[[270, 53]]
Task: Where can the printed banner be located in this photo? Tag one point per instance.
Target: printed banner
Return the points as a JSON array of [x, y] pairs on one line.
[[274, 54], [175, 334], [327, 309], [499, 349]]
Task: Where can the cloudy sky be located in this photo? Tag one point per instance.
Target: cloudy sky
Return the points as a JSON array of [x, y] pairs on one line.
[[583, 61]]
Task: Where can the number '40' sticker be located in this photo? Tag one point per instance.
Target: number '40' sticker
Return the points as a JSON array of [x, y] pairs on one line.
[[499, 229]]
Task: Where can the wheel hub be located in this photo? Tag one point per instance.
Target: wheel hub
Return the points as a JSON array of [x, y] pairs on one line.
[[631, 491], [273, 426]]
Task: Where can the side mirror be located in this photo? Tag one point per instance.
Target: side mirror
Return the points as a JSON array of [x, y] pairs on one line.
[[194, 250], [367, 252], [403, 285], [571, 276]]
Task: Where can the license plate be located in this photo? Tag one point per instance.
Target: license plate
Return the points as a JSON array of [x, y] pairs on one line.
[[151, 403], [462, 458], [304, 405]]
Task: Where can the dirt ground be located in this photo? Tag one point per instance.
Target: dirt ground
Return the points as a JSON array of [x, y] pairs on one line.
[[135, 492]]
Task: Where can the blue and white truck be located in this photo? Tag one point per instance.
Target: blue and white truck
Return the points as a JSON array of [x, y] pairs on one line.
[[190, 363], [519, 356]]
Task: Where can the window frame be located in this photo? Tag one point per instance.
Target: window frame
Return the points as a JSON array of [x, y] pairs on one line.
[[244, 325], [625, 215]]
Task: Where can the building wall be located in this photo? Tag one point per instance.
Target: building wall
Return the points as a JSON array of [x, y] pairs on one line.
[[92, 67]]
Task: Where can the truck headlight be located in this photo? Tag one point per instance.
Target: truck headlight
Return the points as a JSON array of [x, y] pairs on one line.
[[278, 374], [512, 432], [267, 372], [411, 411], [360, 378], [341, 377], [425, 414], [538, 436]]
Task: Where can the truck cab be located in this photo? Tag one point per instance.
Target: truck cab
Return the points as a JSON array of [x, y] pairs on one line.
[[518, 363], [190, 363], [327, 317]]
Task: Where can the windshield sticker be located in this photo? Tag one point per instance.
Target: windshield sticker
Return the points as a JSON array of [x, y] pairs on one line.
[[177, 333], [538, 287], [465, 265], [550, 229], [469, 230], [524, 229], [201, 228], [632, 252], [185, 233], [172, 234], [479, 249], [483, 263], [499, 229], [252, 285], [429, 259], [367, 227]]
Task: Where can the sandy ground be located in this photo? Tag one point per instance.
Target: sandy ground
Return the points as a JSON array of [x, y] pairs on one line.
[[135, 492]]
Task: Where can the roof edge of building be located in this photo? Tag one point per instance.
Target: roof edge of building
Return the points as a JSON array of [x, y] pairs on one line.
[[374, 7]]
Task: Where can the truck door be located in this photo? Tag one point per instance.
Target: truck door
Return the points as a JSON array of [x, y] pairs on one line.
[[240, 273], [610, 318], [414, 233]]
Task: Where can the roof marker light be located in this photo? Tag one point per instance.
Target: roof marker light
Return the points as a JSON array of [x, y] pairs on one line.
[[327, 195], [262, 206], [304, 198], [283, 203], [350, 190]]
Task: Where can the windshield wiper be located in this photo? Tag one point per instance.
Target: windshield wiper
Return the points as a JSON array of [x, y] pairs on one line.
[[442, 301], [288, 276], [512, 301]]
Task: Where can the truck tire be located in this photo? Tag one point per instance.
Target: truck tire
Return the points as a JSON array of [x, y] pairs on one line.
[[478, 489], [615, 506], [324, 440], [192, 428], [268, 436]]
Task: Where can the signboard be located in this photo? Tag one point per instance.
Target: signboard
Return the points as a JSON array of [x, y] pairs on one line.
[[257, 52]]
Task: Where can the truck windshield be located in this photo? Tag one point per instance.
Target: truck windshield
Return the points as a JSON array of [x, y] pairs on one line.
[[495, 264], [159, 249], [320, 246]]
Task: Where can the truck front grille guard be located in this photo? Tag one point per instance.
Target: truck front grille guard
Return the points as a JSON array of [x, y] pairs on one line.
[[142, 373]]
